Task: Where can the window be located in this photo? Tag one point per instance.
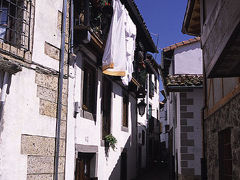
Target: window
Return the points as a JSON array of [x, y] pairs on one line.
[[155, 87], [143, 137], [225, 155], [15, 19], [125, 110], [106, 107], [89, 89]]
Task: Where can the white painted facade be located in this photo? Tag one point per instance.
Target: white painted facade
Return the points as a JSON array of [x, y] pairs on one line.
[[187, 59], [21, 111], [143, 126], [87, 132]]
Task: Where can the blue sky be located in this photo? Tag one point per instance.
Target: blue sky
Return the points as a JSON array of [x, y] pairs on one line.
[[164, 17]]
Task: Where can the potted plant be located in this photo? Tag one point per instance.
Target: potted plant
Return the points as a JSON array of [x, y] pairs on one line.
[[111, 141]]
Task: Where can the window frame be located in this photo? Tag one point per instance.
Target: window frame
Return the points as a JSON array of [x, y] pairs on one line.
[[89, 94], [18, 24], [125, 109], [106, 106]]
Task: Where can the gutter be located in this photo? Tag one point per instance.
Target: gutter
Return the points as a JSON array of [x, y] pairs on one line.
[[60, 88]]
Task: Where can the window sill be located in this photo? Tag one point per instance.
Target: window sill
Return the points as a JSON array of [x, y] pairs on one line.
[[124, 129]]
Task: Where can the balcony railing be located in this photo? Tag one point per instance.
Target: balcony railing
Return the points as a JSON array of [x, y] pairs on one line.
[[94, 17]]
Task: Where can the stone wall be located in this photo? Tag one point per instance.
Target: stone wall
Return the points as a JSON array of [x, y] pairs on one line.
[[226, 117], [189, 130]]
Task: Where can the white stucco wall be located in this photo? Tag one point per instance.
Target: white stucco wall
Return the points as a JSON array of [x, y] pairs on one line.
[[188, 59], [197, 96], [21, 111], [88, 132]]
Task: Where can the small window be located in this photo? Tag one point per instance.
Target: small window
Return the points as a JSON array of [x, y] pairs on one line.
[[125, 110], [106, 107], [143, 137], [15, 18], [225, 155], [89, 89]]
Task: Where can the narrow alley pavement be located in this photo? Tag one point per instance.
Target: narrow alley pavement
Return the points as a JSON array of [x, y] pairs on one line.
[[155, 173]]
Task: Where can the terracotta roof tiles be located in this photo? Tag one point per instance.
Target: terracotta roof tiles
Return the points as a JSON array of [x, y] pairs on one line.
[[183, 43], [189, 80]]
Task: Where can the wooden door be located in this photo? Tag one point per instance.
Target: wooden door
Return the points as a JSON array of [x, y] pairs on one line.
[[82, 168]]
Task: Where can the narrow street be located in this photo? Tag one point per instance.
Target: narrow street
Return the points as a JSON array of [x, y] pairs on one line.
[[155, 173]]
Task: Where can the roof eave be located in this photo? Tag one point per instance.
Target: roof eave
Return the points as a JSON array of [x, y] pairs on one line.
[[191, 11]]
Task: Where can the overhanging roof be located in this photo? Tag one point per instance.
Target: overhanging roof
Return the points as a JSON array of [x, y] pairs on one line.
[[183, 81], [191, 23]]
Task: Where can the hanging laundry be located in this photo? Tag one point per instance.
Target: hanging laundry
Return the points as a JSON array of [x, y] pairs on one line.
[[120, 46]]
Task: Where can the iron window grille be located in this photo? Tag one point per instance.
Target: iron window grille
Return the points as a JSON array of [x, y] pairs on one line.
[[15, 21]]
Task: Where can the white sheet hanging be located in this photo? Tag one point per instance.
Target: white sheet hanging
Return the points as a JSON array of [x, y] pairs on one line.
[[114, 57], [120, 46], [131, 33]]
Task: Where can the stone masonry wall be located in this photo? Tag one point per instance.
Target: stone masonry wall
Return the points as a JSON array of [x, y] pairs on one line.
[[226, 117], [40, 150], [187, 142]]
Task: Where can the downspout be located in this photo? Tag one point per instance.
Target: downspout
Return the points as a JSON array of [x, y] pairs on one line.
[[4, 93], [60, 87], [72, 26], [147, 124]]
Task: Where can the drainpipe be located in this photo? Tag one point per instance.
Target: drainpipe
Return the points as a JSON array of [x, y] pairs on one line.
[[60, 87], [147, 126], [4, 93], [72, 26]]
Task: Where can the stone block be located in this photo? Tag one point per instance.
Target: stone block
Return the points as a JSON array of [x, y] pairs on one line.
[[50, 95], [187, 128], [47, 94], [28, 57], [42, 146], [187, 142], [6, 47], [59, 21], [63, 129], [40, 177], [48, 108], [48, 81], [13, 50], [187, 156], [187, 115], [187, 171], [51, 51], [186, 102], [43, 165]]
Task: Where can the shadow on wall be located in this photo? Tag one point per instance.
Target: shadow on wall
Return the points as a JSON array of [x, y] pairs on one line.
[[126, 165]]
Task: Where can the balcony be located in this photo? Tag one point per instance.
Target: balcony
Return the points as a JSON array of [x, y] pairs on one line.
[[92, 19]]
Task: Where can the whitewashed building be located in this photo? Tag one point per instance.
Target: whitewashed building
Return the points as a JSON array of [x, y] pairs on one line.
[[57, 106], [149, 127], [182, 79], [100, 103]]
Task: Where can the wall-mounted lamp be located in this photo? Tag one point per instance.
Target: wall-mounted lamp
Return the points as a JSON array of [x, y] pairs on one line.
[[141, 107]]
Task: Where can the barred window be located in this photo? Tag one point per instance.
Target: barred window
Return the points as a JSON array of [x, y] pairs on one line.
[[15, 19]]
